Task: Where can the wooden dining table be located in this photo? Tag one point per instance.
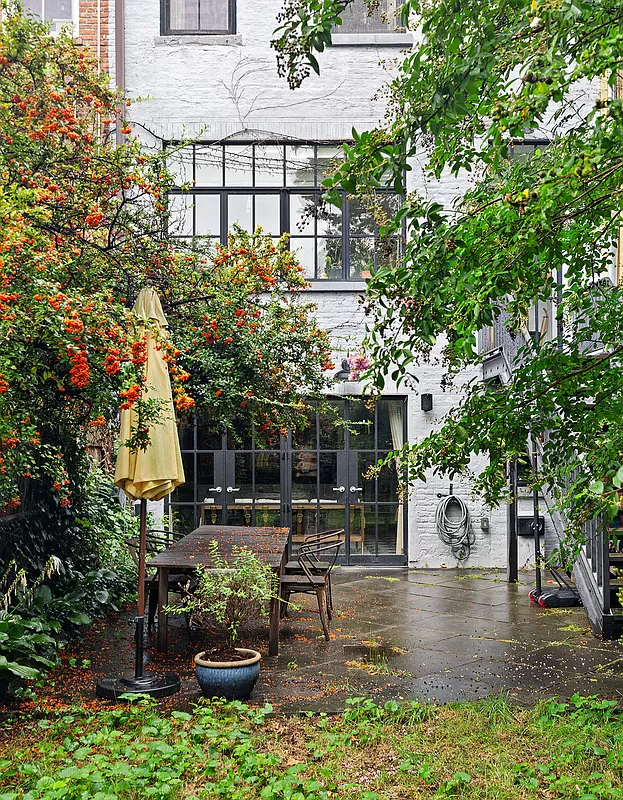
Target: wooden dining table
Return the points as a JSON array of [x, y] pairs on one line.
[[192, 551]]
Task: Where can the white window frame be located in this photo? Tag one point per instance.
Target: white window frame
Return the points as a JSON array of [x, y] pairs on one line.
[[75, 20]]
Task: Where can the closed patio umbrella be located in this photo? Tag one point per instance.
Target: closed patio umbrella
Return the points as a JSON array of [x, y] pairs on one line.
[[148, 474]]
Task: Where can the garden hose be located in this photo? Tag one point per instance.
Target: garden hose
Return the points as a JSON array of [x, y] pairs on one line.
[[455, 530]]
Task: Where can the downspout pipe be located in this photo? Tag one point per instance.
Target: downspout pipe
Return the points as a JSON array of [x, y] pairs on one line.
[[120, 61]]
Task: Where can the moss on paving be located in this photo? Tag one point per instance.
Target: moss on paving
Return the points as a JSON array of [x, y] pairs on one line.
[[488, 749]]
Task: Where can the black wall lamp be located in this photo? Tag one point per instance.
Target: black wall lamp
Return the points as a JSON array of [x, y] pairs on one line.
[[344, 373], [426, 402]]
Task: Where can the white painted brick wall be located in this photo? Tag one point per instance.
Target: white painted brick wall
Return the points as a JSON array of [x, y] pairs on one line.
[[210, 88]]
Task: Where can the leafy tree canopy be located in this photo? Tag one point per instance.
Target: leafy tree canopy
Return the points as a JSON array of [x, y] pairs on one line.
[[83, 225], [481, 76]]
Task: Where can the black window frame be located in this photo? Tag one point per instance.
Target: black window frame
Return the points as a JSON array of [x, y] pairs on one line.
[[167, 30], [286, 191]]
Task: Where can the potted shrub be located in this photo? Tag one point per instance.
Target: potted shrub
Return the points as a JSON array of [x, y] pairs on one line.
[[228, 595]]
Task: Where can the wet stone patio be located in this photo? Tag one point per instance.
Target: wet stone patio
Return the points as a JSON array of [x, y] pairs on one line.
[[433, 636]]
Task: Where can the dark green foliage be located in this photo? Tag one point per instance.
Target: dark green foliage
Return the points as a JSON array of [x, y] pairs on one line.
[[92, 573], [84, 537], [26, 647]]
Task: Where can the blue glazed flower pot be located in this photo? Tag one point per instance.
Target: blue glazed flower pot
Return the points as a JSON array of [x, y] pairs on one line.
[[232, 680]]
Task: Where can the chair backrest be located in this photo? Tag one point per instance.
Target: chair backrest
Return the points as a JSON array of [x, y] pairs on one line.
[[156, 540], [132, 543], [159, 539], [329, 535], [308, 557], [313, 543]]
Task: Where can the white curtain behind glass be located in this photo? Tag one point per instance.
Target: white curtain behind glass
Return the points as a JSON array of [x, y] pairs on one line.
[[184, 15], [199, 15], [214, 15], [396, 426]]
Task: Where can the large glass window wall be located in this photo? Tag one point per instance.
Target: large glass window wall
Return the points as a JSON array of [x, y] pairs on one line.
[[278, 186], [312, 481]]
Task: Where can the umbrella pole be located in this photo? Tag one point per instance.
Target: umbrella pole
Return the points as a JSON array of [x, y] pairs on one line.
[[140, 616], [139, 682]]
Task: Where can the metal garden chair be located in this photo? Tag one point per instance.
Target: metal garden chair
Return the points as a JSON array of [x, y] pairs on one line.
[[319, 567], [312, 580]]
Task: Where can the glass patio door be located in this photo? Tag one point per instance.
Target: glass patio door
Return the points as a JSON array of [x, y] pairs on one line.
[[310, 481], [240, 484], [252, 485], [376, 513], [319, 477]]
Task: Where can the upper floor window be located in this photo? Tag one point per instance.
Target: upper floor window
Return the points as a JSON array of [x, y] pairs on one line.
[[55, 12], [361, 16], [278, 186], [183, 17], [524, 149]]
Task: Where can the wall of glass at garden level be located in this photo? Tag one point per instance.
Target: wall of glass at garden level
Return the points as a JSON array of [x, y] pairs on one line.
[[226, 482], [278, 190], [351, 450], [169, 26]]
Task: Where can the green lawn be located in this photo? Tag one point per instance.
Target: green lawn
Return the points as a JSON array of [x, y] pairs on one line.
[[471, 750]]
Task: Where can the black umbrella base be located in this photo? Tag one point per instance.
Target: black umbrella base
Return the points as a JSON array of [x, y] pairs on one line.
[[149, 684]]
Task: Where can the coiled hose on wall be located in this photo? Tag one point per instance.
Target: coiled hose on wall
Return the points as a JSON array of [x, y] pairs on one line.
[[455, 529]]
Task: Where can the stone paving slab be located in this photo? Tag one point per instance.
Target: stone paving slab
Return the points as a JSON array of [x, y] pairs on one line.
[[437, 636]]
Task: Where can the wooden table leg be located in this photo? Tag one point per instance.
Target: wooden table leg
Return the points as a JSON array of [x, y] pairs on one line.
[[275, 614], [163, 599]]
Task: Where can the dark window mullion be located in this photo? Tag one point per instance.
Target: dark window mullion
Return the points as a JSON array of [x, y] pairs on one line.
[[284, 213], [284, 165], [194, 183], [224, 219], [317, 471], [317, 272], [345, 237], [315, 165], [195, 488]]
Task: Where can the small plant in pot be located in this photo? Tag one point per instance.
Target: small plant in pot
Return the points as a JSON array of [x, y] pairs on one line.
[[227, 596]]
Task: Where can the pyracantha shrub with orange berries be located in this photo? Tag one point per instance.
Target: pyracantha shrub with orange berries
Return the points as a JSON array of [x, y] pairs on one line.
[[84, 224]]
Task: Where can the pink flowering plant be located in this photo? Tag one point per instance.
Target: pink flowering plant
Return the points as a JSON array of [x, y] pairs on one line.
[[358, 364]]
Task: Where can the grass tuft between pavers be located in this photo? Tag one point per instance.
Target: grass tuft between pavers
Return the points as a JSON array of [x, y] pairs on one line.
[[488, 749]]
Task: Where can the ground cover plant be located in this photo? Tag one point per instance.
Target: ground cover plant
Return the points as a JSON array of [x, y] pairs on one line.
[[370, 752]]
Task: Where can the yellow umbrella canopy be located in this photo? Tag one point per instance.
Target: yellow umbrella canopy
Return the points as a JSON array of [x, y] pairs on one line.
[[152, 473]]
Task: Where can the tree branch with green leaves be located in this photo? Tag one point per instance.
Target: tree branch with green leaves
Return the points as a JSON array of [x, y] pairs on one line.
[[481, 78]]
